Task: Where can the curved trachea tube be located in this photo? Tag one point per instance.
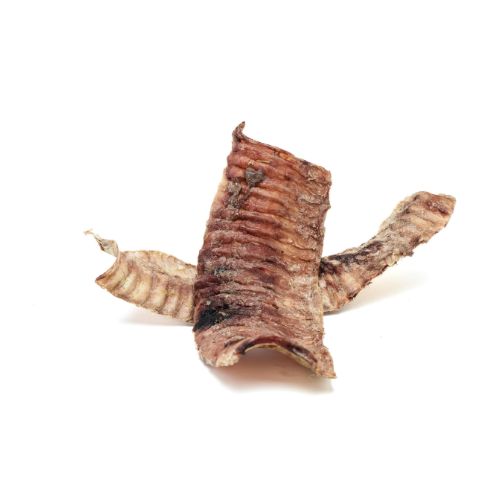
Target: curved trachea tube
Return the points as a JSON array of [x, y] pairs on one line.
[[257, 283], [154, 280], [164, 284], [414, 221]]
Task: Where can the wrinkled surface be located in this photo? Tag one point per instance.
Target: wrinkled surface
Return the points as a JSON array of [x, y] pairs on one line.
[[257, 283], [153, 280], [260, 281], [414, 221], [341, 276]]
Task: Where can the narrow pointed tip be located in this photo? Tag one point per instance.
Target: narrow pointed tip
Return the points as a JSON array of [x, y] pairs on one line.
[[238, 131], [108, 246], [238, 135]]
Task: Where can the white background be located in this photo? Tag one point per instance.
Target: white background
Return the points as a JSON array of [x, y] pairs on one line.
[[118, 116]]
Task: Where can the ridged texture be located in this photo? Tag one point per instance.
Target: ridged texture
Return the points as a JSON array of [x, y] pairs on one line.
[[341, 276], [154, 280], [414, 221], [257, 283]]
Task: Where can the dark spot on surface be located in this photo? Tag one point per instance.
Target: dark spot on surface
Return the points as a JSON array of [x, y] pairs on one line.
[[325, 268], [374, 246], [252, 178], [211, 316], [234, 187], [345, 258], [348, 258], [415, 241]]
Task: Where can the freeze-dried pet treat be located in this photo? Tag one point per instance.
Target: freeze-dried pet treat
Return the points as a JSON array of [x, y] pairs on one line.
[[414, 221], [257, 283], [341, 276], [153, 280]]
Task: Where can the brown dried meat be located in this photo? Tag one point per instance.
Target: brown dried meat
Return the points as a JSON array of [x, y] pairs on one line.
[[263, 239], [341, 276], [257, 283], [414, 221]]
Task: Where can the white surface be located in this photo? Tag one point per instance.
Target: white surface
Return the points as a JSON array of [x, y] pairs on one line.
[[118, 116]]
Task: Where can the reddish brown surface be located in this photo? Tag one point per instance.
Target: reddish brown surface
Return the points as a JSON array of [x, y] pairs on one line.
[[165, 285], [256, 284], [257, 281]]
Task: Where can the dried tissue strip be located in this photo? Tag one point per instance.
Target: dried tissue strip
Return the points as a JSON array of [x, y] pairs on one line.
[[257, 283], [414, 221], [246, 289], [153, 280], [341, 276]]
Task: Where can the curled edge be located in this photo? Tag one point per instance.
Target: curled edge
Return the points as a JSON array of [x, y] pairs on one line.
[[154, 280], [231, 345]]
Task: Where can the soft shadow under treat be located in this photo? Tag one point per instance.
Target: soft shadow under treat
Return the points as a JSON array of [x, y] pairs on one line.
[[143, 317], [265, 368]]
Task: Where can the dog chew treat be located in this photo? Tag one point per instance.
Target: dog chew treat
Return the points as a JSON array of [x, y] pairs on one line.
[[257, 283], [414, 221], [153, 280], [341, 276], [260, 281]]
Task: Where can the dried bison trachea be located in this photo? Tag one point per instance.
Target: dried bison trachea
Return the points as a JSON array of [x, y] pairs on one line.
[[260, 281], [257, 283], [341, 276], [414, 221], [153, 280]]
